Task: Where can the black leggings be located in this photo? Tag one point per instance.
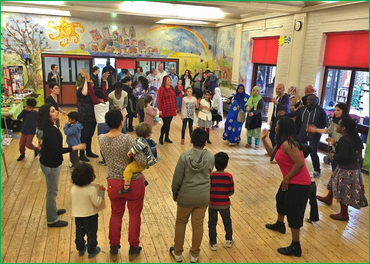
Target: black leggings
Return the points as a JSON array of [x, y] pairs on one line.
[[184, 124], [165, 130]]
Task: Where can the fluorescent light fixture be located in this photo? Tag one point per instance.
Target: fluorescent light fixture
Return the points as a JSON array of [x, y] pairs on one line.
[[113, 15], [51, 3], [112, 27], [165, 9], [181, 21], [31, 10]]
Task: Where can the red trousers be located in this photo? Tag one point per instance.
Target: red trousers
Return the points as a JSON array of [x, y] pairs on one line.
[[134, 200], [26, 141]]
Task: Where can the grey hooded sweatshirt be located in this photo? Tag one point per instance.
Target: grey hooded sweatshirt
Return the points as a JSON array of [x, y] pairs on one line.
[[191, 180]]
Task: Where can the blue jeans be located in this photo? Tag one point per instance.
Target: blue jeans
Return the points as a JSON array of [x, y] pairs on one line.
[[52, 180], [179, 102]]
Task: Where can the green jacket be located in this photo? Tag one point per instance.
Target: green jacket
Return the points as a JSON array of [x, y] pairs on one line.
[[80, 80]]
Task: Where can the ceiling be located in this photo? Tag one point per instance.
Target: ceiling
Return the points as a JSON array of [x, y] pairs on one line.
[[235, 11]]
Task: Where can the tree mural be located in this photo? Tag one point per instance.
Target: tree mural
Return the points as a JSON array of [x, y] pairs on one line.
[[20, 36]]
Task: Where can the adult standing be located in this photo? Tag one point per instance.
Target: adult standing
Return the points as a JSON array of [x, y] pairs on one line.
[[347, 183], [80, 80], [233, 128], [281, 107], [111, 80], [311, 114], [53, 99], [142, 89], [340, 111], [160, 74], [308, 90], [167, 104], [114, 147], [253, 124], [153, 81], [139, 72], [54, 75], [174, 77], [131, 103], [50, 160], [197, 84], [118, 99], [218, 108], [186, 79], [85, 108], [292, 195], [95, 76]]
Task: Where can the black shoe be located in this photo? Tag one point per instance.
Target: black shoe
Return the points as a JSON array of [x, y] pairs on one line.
[[60, 223], [160, 141], [92, 155], [20, 157], [114, 252], [84, 158], [102, 162], [123, 190], [130, 129], [168, 140], [209, 141], [146, 183], [290, 251], [61, 211], [36, 153], [133, 252], [280, 227]]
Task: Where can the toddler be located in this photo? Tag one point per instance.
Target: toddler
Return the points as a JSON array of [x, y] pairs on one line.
[[87, 200], [72, 130], [143, 144]]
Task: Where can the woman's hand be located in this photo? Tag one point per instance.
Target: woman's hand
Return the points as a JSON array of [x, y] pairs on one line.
[[330, 140], [251, 114], [311, 128], [284, 185], [81, 146], [87, 77], [247, 108], [264, 133], [105, 76]]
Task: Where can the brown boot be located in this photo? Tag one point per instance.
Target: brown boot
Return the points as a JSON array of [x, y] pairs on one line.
[[343, 214], [328, 199]]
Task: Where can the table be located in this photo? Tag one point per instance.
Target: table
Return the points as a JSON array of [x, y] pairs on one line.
[[5, 142], [13, 111]]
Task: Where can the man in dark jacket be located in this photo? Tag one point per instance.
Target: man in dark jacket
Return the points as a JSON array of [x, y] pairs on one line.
[[131, 107], [311, 114]]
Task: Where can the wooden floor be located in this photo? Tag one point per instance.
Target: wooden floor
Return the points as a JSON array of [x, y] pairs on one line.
[[25, 236]]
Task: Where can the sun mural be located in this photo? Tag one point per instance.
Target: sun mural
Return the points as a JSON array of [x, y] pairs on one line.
[[66, 31]]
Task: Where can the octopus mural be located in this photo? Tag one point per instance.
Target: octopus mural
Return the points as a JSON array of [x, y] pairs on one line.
[[66, 32]]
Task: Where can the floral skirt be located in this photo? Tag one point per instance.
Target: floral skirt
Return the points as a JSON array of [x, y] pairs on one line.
[[348, 188]]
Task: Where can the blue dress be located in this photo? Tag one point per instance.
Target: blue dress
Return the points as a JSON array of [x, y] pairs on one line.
[[233, 128]]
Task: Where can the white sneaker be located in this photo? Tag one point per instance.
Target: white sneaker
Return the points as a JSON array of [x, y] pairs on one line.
[[176, 257], [193, 259], [213, 247], [229, 243]]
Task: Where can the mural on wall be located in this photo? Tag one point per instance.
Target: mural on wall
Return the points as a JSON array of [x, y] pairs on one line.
[[67, 31], [22, 42], [244, 54], [224, 54], [66, 35]]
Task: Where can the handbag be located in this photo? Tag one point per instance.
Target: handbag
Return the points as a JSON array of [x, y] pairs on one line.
[[241, 116]]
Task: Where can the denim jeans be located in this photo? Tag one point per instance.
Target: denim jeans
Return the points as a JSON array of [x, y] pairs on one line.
[[212, 224], [179, 102], [52, 180]]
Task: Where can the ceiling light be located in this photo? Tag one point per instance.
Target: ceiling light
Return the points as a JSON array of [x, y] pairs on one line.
[[30, 10], [181, 21], [51, 3], [190, 11]]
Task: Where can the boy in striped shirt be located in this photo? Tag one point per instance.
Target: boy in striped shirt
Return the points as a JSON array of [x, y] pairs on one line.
[[222, 187]]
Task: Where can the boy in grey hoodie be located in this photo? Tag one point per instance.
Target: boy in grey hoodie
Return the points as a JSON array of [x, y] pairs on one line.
[[190, 189]]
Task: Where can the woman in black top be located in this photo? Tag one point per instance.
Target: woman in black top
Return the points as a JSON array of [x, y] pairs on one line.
[[55, 76], [53, 99], [51, 158]]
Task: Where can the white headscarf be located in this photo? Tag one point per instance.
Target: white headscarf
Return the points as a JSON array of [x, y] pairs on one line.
[[217, 102]]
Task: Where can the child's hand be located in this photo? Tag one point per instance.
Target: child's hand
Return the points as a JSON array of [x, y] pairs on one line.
[[101, 188], [129, 154]]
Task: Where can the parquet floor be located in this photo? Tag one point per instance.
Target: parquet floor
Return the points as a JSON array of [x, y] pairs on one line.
[[25, 236]]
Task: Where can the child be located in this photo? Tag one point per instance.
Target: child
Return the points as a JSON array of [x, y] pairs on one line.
[[143, 144], [151, 114], [87, 201], [190, 189], [204, 115], [101, 107], [189, 103], [222, 186], [72, 130], [179, 90], [29, 117], [314, 211], [218, 108]]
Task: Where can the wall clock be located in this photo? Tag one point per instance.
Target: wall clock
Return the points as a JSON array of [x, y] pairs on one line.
[[298, 25]]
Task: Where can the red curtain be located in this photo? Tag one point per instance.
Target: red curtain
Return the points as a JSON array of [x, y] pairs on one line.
[[348, 49], [125, 64], [265, 50]]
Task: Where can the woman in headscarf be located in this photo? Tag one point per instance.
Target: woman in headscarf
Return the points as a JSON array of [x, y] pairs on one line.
[[253, 124], [218, 108], [233, 128]]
